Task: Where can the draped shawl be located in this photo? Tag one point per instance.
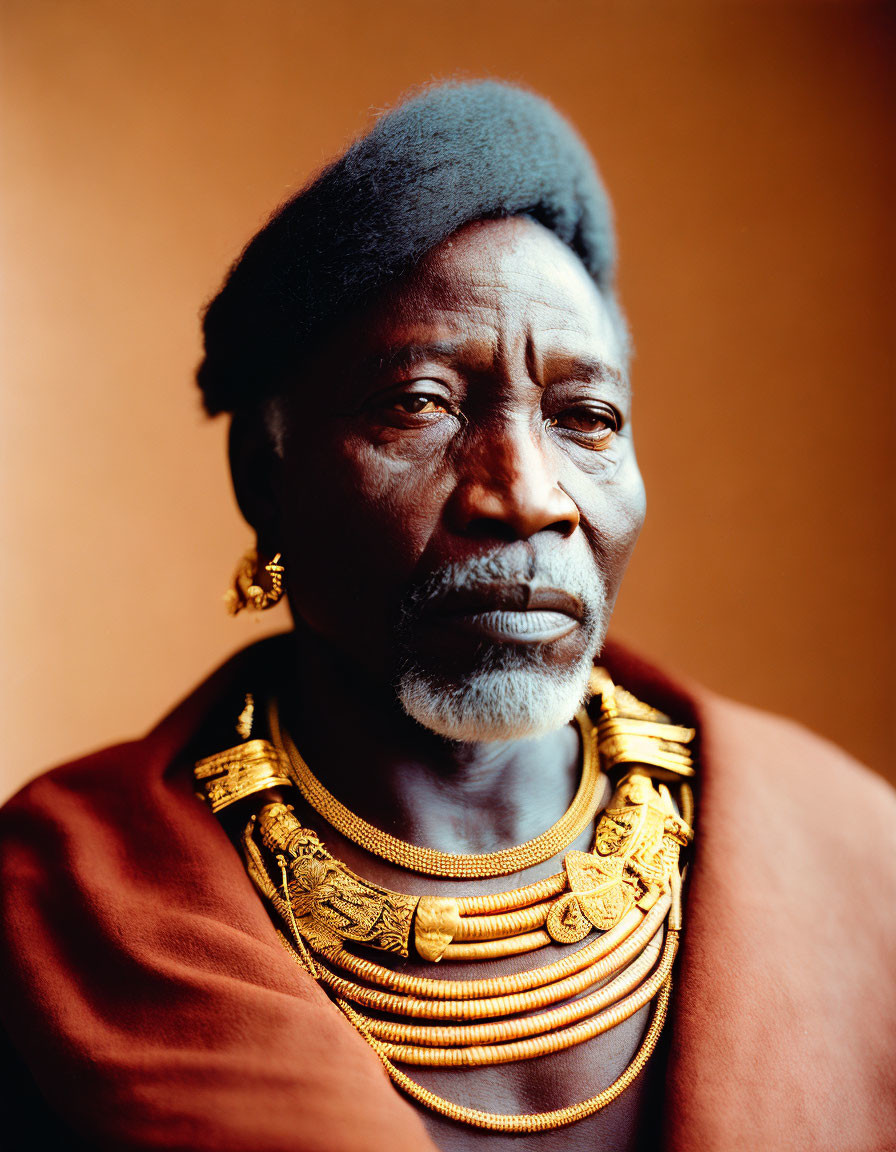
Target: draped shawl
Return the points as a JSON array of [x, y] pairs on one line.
[[146, 990]]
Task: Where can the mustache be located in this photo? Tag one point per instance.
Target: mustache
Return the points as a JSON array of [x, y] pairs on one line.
[[516, 570]]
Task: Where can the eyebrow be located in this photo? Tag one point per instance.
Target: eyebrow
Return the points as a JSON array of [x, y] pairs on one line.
[[403, 356], [584, 368], [406, 355]]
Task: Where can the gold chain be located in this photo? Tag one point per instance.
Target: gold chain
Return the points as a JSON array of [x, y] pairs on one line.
[[429, 861], [495, 1121], [516, 898], [528, 1047], [506, 924], [495, 1032], [533, 1121]]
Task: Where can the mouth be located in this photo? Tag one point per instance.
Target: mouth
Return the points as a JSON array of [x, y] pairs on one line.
[[511, 614], [518, 627]]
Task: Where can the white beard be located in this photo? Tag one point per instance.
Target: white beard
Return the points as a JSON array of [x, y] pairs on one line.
[[510, 695], [516, 704]]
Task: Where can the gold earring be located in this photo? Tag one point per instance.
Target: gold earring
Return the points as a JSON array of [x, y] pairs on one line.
[[246, 591]]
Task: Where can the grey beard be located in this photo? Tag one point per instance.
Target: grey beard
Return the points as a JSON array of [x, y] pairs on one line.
[[510, 694]]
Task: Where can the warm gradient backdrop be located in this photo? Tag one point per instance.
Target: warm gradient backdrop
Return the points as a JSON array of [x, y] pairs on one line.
[[746, 150]]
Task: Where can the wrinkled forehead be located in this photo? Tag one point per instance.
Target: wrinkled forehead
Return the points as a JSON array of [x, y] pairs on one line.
[[509, 278]]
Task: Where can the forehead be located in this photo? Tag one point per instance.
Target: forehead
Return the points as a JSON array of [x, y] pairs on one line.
[[496, 282]]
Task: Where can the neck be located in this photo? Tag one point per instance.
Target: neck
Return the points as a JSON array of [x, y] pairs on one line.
[[453, 796]]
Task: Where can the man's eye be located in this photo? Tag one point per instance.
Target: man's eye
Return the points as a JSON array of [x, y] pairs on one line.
[[595, 426], [420, 405]]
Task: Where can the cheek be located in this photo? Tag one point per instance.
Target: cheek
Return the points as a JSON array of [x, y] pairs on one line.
[[612, 514], [400, 497], [632, 504], [356, 521]]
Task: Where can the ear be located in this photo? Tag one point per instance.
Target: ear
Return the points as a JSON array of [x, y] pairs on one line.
[[254, 468]]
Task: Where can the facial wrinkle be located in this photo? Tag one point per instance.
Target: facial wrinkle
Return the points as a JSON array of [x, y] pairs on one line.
[[531, 359]]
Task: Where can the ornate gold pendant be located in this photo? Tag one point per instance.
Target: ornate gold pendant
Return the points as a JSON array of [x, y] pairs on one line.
[[636, 846], [331, 904]]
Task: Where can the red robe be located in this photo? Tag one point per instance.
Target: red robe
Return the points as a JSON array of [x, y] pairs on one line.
[[146, 990]]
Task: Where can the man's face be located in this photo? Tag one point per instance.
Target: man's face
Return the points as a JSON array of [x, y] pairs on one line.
[[459, 495]]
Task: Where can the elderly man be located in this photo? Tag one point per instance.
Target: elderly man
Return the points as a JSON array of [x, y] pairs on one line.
[[423, 855]]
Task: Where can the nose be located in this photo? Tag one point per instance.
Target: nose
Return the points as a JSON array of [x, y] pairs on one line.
[[509, 490]]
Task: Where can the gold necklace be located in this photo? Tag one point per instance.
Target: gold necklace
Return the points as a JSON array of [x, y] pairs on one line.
[[628, 888], [430, 861], [527, 1037]]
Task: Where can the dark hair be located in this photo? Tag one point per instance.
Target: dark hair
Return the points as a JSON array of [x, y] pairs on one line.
[[452, 154]]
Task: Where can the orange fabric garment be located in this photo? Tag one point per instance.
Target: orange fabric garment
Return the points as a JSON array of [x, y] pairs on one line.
[[145, 988]]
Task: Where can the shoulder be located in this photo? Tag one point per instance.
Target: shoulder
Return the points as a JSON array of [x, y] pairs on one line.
[[93, 831], [66, 813], [145, 987], [786, 966], [111, 777], [735, 738], [780, 809]]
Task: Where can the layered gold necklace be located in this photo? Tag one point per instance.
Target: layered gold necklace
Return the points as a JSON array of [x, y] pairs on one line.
[[628, 888]]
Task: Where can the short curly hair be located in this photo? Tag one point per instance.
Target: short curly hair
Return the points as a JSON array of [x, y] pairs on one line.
[[452, 154]]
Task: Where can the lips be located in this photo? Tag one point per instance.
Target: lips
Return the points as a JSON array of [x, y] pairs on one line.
[[512, 613], [519, 627]]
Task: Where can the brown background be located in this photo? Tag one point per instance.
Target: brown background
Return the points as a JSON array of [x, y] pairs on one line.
[[745, 149]]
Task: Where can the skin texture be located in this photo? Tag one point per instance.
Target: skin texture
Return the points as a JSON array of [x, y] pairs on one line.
[[399, 492], [479, 408]]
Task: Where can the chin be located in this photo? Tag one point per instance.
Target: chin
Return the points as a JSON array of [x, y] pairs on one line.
[[496, 704]]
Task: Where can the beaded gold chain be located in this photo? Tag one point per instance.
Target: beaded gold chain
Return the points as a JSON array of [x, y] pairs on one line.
[[429, 861], [628, 889]]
